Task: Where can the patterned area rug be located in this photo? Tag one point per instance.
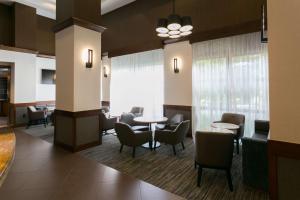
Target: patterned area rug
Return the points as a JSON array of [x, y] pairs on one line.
[[161, 168]]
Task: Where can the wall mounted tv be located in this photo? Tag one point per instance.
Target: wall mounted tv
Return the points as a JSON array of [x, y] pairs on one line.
[[48, 76]]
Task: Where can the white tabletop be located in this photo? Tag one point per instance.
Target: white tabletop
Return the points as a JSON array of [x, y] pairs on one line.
[[150, 119], [217, 130], [225, 126]]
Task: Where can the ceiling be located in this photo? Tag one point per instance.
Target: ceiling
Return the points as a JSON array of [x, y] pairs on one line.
[[47, 7]]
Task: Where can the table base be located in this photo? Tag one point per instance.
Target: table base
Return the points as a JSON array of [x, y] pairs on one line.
[[147, 146]]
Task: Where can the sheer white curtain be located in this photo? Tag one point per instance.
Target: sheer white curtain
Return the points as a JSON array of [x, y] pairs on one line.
[[137, 80], [230, 75]]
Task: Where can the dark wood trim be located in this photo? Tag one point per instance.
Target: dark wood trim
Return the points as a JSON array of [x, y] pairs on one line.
[[45, 56], [79, 22], [105, 103], [134, 49], [79, 114], [247, 27], [279, 149], [178, 107], [15, 49], [74, 116], [32, 103]]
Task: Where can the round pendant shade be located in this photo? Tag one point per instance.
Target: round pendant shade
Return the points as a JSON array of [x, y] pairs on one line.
[[174, 33], [163, 35], [162, 26], [174, 22], [174, 36]]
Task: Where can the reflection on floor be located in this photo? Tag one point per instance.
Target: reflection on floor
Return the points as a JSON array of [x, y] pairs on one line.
[[175, 174], [3, 122]]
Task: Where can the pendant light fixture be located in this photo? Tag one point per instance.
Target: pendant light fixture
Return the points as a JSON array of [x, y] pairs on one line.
[[175, 26]]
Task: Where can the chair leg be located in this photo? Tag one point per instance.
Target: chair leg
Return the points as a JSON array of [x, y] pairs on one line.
[[121, 148], [150, 145], [174, 150], [154, 145], [199, 176], [237, 146], [133, 152], [45, 123], [182, 144], [229, 179], [195, 165]]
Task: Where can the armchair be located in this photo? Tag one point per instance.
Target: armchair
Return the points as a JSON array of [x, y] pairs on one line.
[[137, 111], [173, 137], [214, 150], [236, 119], [132, 138], [171, 123], [255, 157], [107, 123], [128, 118], [35, 116]]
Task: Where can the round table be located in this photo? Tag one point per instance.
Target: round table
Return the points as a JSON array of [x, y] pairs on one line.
[[217, 130], [150, 121], [228, 126]]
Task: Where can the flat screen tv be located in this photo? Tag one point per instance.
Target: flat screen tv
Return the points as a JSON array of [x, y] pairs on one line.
[[48, 76]]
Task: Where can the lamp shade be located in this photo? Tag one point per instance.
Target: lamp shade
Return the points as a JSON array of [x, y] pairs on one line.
[[174, 32], [174, 22], [186, 23], [186, 33], [174, 36], [162, 26], [163, 35]]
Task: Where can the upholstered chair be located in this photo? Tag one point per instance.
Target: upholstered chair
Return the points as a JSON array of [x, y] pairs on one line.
[[132, 138], [173, 137], [172, 123], [255, 157], [137, 111], [128, 118], [106, 122], [237, 119], [214, 150], [36, 116]]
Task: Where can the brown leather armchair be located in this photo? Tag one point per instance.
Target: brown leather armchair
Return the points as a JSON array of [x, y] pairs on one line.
[[214, 150], [173, 137], [107, 123], [36, 116], [237, 119], [132, 138]]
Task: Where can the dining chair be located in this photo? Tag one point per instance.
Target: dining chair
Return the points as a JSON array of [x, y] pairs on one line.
[[215, 151], [237, 119]]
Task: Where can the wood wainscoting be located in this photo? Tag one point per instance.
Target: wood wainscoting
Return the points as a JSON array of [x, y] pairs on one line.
[[171, 110], [75, 131], [284, 170], [18, 112]]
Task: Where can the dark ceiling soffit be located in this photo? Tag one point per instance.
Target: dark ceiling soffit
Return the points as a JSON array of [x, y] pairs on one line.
[[79, 22]]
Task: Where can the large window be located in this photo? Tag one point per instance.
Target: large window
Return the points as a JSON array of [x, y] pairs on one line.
[[137, 80], [230, 75]]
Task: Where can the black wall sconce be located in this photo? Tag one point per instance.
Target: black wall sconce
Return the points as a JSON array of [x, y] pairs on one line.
[[176, 69], [105, 72], [89, 63]]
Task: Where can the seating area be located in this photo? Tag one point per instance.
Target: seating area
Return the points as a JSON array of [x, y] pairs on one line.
[[143, 100]]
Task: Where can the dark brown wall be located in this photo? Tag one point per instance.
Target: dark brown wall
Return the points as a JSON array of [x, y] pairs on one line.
[[25, 24], [6, 25], [132, 27], [45, 37], [89, 10]]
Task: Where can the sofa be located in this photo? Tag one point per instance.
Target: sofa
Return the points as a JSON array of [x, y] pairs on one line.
[[255, 157]]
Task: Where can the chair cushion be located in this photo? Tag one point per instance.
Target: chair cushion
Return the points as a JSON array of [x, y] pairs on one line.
[[139, 128]]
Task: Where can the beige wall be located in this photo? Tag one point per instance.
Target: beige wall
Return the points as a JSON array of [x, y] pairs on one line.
[[284, 62], [105, 90], [178, 87], [77, 87]]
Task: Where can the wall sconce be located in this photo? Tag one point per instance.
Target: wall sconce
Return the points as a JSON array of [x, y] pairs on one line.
[[105, 72], [175, 65], [89, 63]]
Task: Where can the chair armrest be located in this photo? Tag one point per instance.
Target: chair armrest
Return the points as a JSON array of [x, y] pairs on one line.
[[39, 114]]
